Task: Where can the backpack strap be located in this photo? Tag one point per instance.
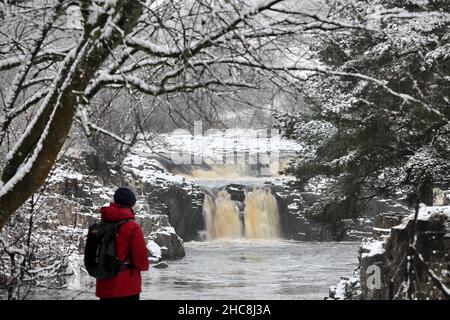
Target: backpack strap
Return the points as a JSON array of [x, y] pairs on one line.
[[124, 264], [121, 222]]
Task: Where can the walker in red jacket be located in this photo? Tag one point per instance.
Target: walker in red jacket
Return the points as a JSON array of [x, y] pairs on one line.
[[130, 247]]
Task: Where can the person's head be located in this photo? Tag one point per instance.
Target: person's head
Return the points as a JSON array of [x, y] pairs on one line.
[[124, 197]]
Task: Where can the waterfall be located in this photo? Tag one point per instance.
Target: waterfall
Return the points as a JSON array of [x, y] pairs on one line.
[[222, 217], [221, 171], [236, 171], [260, 216]]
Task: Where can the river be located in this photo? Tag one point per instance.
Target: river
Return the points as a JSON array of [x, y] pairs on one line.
[[252, 269], [243, 269]]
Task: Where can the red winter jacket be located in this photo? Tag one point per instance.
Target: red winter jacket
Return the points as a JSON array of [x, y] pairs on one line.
[[129, 243]]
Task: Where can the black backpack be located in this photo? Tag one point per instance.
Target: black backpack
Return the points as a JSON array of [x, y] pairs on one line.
[[100, 257]]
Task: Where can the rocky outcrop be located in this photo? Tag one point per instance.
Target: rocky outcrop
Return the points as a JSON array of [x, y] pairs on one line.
[[296, 225], [306, 228], [385, 258], [237, 192], [431, 229], [182, 203], [290, 204], [77, 196], [346, 289], [170, 244]]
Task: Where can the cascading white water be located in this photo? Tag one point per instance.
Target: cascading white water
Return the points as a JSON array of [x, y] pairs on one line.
[[236, 171], [260, 216], [222, 217]]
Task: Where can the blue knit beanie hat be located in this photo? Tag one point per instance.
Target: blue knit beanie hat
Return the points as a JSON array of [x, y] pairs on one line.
[[125, 197]]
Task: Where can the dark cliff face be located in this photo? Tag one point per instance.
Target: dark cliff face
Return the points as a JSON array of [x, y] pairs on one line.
[[295, 225], [182, 204], [290, 204], [433, 245], [236, 191], [383, 258]]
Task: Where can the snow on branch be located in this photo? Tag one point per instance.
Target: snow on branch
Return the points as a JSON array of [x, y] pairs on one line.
[[24, 163], [327, 24], [31, 101], [405, 97], [11, 250], [398, 14], [155, 90], [109, 133], [35, 81], [152, 48], [17, 60], [83, 118], [325, 70], [21, 75], [165, 51], [69, 58]]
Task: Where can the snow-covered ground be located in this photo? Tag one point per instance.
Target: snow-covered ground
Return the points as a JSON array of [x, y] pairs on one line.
[[372, 247], [426, 212]]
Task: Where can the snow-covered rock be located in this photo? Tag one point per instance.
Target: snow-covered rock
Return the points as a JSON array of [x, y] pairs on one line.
[[428, 212], [386, 253], [346, 288], [170, 244], [371, 247], [154, 250], [389, 253]]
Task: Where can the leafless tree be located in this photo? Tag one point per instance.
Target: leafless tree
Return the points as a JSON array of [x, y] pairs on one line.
[[33, 254], [53, 67]]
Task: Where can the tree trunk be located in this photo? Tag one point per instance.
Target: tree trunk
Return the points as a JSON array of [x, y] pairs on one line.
[[426, 191], [90, 55]]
